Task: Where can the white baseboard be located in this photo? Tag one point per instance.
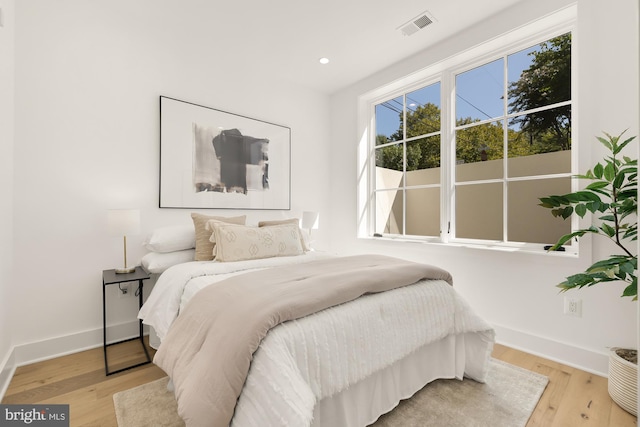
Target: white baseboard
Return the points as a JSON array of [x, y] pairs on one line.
[[7, 369], [585, 359], [68, 344], [25, 354]]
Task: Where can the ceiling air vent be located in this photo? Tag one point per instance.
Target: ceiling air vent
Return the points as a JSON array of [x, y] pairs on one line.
[[417, 23]]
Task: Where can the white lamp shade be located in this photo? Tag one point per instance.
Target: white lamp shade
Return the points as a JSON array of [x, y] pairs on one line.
[[123, 222], [310, 220]]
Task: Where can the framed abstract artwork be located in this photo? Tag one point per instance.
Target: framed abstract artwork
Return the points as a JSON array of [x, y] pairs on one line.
[[218, 160]]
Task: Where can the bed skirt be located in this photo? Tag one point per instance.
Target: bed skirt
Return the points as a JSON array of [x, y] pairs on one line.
[[363, 403]]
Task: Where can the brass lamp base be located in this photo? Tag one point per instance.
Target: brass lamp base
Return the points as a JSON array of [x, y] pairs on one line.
[[125, 269]]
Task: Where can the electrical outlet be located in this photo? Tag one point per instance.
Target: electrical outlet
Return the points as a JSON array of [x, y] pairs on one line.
[[573, 307], [124, 290]]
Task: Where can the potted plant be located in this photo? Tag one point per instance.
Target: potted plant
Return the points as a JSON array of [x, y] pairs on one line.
[[612, 195]]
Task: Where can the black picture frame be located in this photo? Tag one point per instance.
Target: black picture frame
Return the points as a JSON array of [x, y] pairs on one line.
[[213, 159]]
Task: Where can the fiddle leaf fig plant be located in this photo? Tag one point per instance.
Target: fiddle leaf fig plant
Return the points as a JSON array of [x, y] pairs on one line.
[[612, 195]]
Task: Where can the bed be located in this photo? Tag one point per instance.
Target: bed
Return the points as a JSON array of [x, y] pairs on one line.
[[343, 365]]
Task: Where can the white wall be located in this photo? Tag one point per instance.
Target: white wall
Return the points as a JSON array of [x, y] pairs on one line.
[[6, 184], [515, 291], [88, 78]]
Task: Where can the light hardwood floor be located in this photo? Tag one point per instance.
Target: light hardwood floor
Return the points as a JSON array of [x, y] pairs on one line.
[[572, 398]]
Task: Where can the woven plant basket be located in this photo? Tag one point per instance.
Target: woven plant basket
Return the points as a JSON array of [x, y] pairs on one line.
[[623, 382]]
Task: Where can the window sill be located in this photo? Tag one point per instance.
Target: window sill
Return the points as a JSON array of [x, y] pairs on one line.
[[499, 247]]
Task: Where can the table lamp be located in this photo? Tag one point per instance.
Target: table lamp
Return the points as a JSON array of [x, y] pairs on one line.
[[123, 222], [310, 221]]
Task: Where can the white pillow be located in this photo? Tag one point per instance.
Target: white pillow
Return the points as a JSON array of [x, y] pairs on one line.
[[157, 262], [171, 239], [239, 242]]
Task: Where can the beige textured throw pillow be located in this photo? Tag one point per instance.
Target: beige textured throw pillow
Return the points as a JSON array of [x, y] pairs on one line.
[[305, 245], [204, 248], [238, 242]]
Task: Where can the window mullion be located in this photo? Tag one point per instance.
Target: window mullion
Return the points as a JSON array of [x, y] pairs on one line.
[[404, 164], [447, 154], [505, 156]]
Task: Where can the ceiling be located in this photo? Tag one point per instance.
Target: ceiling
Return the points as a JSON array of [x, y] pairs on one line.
[[286, 38]]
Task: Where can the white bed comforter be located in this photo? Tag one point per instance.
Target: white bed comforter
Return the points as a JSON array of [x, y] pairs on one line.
[[179, 283], [303, 361], [320, 355]]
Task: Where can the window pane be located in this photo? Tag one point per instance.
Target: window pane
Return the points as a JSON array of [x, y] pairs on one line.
[[479, 152], [480, 93], [529, 222], [542, 132], [519, 65], [532, 135], [389, 121], [479, 211], [389, 170], [423, 111], [389, 212], [540, 75], [540, 164], [423, 212], [423, 161]]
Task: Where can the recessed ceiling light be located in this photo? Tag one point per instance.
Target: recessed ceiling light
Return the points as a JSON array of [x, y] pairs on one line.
[[324, 61]]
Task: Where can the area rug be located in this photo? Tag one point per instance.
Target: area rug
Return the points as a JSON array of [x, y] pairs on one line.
[[507, 399]]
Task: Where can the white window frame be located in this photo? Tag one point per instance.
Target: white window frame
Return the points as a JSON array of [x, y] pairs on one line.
[[546, 28]]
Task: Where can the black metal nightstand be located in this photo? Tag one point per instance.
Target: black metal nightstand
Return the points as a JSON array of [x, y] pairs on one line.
[[110, 277]]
